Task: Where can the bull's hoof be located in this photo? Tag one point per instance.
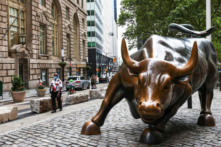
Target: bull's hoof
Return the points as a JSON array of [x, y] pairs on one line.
[[90, 128], [151, 136], [206, 120]]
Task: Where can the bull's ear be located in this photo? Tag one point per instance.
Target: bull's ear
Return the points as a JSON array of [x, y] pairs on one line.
[[183, 80], [134, 74]]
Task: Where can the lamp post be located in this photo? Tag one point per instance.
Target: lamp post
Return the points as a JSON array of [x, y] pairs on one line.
[[70, 66], [62, 55]]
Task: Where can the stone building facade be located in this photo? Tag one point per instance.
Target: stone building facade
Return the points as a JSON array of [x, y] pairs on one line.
[[49, 26]]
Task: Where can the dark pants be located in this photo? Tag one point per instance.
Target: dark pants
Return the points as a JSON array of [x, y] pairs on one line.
[[53, 97]]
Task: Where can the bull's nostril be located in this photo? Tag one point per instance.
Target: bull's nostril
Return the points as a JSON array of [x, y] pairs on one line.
[[158, 105], [140, 103]]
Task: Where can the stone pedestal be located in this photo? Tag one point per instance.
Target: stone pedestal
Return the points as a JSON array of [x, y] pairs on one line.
[[76, 98], [8, 113], [97, 93], [42, 105]]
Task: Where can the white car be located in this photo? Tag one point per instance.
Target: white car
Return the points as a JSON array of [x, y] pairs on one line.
[[80, 82]]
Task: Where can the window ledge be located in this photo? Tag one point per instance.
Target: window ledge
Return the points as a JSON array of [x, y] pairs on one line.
[[42, 55]]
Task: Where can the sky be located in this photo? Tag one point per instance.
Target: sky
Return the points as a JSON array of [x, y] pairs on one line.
[[121, 30]]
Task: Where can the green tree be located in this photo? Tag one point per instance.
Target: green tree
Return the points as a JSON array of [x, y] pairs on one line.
[[144, 18]]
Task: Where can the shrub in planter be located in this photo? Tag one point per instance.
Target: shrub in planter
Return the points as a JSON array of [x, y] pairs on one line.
[[41, 90], [62, 64], [18, 91]]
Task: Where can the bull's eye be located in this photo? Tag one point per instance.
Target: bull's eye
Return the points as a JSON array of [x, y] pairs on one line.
[[168, 85]]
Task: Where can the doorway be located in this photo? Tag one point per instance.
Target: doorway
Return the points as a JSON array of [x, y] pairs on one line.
[[44, 76], [23, 71]]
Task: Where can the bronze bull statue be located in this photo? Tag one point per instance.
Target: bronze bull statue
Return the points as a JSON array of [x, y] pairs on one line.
[[157, 80]]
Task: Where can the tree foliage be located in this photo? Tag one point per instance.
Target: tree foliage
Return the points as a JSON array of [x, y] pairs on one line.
[[146, 17]]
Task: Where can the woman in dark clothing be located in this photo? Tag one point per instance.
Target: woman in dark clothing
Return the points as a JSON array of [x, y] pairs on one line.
[[93, 82]]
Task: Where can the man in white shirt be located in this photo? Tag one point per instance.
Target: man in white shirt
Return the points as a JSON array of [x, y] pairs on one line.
[[39, 82], [56, 86]]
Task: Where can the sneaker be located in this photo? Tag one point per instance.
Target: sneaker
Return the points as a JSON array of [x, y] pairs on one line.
[[60, 109], [53, 111]]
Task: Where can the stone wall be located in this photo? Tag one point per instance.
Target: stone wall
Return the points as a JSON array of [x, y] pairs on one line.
[[36, 15]]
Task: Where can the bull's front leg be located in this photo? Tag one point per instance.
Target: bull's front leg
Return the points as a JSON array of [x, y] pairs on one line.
[[113, 96], [153, 134]]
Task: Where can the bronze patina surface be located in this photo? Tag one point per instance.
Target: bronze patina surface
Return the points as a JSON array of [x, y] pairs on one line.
[[157, 80]]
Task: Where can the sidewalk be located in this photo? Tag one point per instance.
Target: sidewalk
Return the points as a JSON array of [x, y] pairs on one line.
[[30, 93]]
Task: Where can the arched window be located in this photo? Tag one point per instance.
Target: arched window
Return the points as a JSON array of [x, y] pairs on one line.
[[54, 30]]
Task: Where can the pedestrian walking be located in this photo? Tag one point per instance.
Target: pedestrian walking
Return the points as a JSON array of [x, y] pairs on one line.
[[71, 87], [56, 86], [93, 82]]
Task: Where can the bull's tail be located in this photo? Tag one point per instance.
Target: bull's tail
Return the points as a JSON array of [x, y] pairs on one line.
[[189, 29]]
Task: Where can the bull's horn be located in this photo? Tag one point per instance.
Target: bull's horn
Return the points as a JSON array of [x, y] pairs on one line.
[[130, 63], [191, 65]]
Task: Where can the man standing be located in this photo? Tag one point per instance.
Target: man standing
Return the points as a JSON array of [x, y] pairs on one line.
[[56, 86], [39, 82]]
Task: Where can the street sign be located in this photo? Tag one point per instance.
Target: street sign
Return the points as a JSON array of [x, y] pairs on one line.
[[69, 64]]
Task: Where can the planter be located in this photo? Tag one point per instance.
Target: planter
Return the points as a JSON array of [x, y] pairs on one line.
[[41, 92], [18, 96]]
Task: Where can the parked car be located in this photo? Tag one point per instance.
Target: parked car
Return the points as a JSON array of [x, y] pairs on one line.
[[79, 81], [104, 78]]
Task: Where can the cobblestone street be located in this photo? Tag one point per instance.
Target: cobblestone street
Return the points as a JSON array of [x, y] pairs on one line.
[[120, 129]]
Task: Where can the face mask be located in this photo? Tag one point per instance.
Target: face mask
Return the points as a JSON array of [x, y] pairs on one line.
[[55, 78]]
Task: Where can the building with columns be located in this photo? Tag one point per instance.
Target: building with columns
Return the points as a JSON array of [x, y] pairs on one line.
[[32, 46]]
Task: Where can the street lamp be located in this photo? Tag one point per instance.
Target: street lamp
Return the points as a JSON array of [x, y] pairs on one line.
[[62, 57]]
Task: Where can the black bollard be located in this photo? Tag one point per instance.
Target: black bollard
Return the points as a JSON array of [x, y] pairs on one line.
[[189, 103]]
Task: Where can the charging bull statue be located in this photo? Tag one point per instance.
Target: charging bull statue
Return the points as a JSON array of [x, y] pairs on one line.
[[158, 79]]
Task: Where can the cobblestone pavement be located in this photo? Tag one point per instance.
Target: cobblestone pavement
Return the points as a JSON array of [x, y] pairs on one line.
[[120, 129]]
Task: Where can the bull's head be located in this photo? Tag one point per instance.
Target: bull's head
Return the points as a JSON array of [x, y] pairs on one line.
[[156, 81]]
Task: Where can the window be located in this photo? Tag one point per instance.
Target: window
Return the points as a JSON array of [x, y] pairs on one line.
[[54, 30], [82, 3], [92, 34], [18, 27], [89, 44], [41, 2], [83, 23], [93, 44], [42, 39], [75, 38], [68, 45], [90, 23], [67, 13], [92, 12], [88, 34], [83, 49], [88, 12], [82, 78], [78, 1]]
